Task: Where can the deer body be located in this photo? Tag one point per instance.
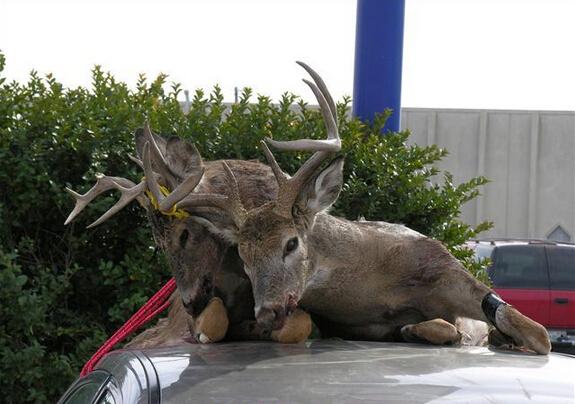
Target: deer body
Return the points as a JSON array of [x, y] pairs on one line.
[[366, 280], [374, 277]]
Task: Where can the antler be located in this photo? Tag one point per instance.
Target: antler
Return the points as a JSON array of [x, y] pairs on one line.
[[289, 188], [129, 190], [166, 203], [158, 158], [230, 203]]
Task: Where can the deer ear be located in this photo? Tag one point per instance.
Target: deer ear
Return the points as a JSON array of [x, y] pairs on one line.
[[182, 157], [321, 191]]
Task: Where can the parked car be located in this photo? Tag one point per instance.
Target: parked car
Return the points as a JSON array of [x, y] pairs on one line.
[[538, 278], [333, 371]]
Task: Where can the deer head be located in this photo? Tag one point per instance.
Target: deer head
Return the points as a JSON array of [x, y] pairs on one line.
[[273, 238], [193, 253], [273, 242]]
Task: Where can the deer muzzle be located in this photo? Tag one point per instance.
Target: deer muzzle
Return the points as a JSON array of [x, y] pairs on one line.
[[273, 316], [197, 298]]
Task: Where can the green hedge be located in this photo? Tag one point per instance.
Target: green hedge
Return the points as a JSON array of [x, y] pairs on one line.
[[65, 289]]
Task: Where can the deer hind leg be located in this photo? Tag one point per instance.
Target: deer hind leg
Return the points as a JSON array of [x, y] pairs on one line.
[[436, 331], [212, 323], [297, 328]]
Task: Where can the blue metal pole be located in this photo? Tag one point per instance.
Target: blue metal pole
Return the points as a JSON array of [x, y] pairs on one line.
[[378, 59]]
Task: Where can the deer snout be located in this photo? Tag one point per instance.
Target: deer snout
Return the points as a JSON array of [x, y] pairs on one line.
[[271, 317]]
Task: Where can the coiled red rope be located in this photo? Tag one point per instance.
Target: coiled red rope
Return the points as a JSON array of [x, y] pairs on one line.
[[157, 304]]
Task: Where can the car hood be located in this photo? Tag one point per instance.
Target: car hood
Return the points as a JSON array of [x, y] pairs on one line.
[[347, 371]]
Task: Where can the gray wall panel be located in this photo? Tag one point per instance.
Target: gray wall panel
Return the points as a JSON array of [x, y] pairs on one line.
[[528, 156]]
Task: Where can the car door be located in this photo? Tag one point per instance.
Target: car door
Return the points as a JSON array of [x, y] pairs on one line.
[[562, 286], [520, 276]]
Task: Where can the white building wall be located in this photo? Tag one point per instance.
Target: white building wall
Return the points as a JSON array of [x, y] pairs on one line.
[[529, 157]]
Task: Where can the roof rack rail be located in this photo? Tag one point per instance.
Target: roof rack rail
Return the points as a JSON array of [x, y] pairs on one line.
[[493, 240]]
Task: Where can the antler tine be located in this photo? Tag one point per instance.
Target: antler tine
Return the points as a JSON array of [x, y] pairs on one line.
[[128, 195], [103, 184], [331, 144], [166, 203], [230, 203], [329, 113], [161, 164], [181, 191], [153, 186], [157, 153], [236, 206], [289, 188], [136, 160], [281, 177], [129, 190], [323, 88]]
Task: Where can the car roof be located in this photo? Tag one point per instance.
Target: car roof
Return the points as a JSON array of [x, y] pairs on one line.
[[343, 371], [518, 241]]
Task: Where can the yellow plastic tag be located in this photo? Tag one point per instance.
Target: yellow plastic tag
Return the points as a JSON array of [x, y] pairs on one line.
[[174, 212]]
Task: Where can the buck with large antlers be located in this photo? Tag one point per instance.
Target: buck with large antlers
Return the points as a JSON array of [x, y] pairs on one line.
[[212, 285], [366, 280]]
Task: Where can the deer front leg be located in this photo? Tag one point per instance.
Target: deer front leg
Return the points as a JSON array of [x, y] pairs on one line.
[[510, 322], [297, 328], [467, 297], [212, 324], [436, 331]]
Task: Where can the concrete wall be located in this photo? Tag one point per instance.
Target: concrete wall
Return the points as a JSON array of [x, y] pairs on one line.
[[529, 156]]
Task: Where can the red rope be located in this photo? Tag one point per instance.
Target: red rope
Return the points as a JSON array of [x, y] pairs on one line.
[[157, 304]]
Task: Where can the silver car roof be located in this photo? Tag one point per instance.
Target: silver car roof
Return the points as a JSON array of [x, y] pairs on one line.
[[347, 371]]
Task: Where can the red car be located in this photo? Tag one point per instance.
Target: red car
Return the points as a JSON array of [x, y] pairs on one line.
[[538, 278]]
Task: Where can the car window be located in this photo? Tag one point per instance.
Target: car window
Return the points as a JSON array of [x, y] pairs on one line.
[[87, 389], [562, 267], [107, 398], [85, 393], [520, 266]]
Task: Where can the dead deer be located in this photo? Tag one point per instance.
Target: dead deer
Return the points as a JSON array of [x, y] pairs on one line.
[[212, 285], [358, 279]]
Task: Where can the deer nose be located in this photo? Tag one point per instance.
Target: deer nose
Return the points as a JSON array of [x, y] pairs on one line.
[[271, 317], [196, 299]]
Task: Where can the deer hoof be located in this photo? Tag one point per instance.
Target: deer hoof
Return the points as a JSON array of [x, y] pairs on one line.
[[204, 339], [212, 324], [296, 329], [525, 332], [436, 331]]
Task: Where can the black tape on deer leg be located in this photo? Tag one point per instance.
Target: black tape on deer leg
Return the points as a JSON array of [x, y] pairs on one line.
[[489, 305]]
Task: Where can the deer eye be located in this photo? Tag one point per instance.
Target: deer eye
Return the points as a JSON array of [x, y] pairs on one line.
[[291, 245]]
